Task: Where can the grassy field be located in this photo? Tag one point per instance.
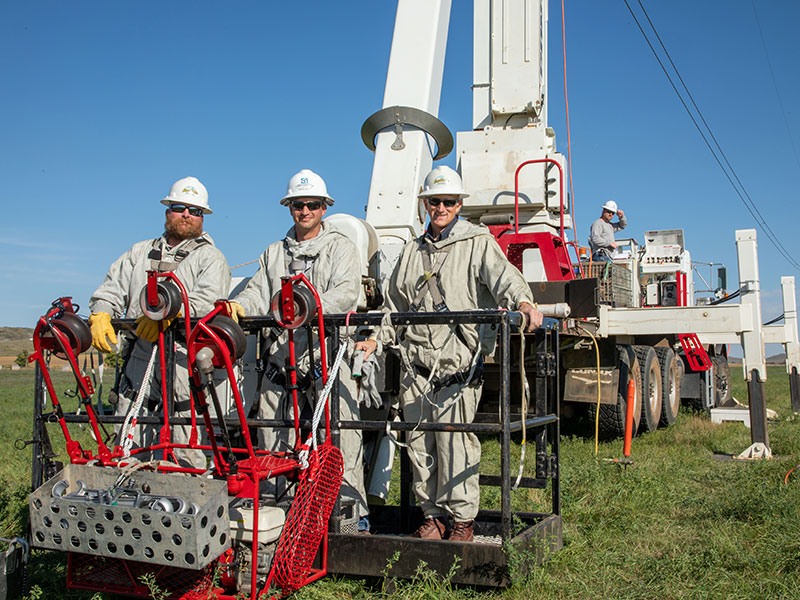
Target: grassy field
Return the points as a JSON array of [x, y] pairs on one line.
[[683, 521]]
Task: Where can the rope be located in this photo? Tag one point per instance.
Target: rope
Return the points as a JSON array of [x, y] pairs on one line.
[[133, 412], [319, 409], [525, 398], [569, 138], [245, 264]]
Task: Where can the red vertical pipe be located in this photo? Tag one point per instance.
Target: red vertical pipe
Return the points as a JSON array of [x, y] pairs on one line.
[[626, 447]]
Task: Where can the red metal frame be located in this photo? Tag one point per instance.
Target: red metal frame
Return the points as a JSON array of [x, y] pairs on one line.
[[696, 355], [554, 248], [243, 479]]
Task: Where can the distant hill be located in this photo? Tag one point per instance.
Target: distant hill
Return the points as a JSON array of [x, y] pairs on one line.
[[14, 340], [777, 359]]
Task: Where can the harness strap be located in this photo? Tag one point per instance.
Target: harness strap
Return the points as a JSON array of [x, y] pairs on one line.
[[167, 266], [430, 284]]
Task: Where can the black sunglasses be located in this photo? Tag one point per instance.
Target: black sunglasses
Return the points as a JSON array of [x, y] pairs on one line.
[[195, 211], [448, 202], [315, 205]]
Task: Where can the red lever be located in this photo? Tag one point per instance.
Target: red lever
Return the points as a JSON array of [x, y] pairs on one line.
[[696, 355]]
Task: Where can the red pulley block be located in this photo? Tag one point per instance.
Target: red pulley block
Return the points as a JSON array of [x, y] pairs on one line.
[[168, 301], [303, 307], [76, 331]]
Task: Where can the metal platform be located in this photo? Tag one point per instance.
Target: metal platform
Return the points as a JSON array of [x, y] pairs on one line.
[[484, 562]]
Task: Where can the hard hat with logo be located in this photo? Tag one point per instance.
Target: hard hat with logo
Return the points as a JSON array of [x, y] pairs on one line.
[[188, 191], [442, 180], [611, 206], [306, 184]]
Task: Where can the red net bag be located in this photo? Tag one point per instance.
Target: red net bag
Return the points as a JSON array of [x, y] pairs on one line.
[[308, 518]]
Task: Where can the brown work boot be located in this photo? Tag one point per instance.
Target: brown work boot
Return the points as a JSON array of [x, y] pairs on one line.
[[461, 532], [434, 528]]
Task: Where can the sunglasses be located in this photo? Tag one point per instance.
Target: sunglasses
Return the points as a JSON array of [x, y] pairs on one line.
[[448, 202], [298, 206], [195, 211]]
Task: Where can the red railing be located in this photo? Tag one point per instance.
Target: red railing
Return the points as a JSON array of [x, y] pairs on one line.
[[560, 199]]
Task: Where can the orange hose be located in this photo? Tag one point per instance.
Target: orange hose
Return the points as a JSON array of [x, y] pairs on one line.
[[569, 139]]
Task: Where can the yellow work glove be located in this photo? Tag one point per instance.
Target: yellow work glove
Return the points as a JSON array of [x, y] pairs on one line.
[[147, 329], [236, 310], [101, 328]]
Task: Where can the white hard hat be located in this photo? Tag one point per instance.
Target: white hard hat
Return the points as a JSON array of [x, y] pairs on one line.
[[610, 205], [188, 191], [306, 184], [442, 180]]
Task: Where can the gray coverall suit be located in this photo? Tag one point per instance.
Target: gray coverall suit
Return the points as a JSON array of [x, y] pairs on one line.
[[205, 273], [601, 236], [473, 274], [332, 263]]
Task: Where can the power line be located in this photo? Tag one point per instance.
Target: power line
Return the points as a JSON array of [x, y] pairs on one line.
[[775, 85], [760, 218], [731, 176]]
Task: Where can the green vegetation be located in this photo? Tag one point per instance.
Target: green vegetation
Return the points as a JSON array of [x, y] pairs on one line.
[[22, 359], [683, 521]]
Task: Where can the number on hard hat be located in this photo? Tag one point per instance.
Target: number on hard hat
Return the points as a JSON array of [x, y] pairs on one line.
[[610, 205], [442, 180], [188, 191], [306, 184]]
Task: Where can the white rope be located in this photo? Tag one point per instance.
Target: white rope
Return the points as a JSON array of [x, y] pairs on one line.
[[525, 399], [319, 409], [133, 412]]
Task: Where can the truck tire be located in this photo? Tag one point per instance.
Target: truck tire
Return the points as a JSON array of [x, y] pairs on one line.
[[612, 417], [722, 380], [671, 375], [651, 388]]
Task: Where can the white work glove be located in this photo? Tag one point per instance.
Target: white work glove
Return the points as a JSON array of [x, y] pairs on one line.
[[368, 393]]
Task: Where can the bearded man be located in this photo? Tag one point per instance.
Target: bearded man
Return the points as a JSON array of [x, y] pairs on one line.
[[187, 250]]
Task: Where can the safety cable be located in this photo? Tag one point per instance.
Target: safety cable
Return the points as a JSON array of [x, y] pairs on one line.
[[744, 196], [775, 320]]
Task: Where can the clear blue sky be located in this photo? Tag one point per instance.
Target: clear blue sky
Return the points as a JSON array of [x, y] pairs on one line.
[[105, 104]]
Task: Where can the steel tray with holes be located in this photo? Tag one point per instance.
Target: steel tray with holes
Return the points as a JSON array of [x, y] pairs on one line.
[[190, 540]]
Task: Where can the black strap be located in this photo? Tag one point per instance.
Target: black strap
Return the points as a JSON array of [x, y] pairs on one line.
[[461, 377]]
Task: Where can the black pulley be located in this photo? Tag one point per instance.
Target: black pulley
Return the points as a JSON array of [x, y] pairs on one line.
[[231, 334], [305, 307], [76, 330], [169, 301]]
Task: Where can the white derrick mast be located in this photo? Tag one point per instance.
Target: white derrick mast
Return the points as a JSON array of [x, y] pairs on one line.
[[510, 120], [404, 153]]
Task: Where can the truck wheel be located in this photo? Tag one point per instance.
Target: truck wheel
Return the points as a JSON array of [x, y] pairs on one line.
[[612, 417], [651, 387], [671, 375], [722, 380]]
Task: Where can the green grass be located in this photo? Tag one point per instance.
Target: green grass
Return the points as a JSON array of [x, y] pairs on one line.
[[681, 522]]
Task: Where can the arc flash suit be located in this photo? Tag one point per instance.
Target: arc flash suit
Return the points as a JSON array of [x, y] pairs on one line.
[[332, 264], [204, 271], [471, 272]]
